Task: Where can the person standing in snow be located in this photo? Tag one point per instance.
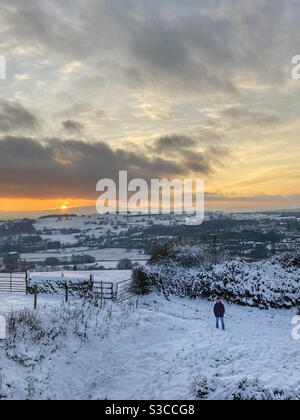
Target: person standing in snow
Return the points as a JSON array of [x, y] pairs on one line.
[[219, 311]]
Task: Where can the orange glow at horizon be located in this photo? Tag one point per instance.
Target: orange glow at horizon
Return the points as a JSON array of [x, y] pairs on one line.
[[27, 204]]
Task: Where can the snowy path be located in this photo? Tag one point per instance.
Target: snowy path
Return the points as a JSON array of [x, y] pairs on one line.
[[157, 350], [180, 341]]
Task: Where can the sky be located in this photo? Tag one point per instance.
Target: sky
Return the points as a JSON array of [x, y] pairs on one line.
[[173, 88]]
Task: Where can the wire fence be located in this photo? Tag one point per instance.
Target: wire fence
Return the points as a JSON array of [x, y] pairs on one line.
[[13, 292], [17, 291], [13, 302]]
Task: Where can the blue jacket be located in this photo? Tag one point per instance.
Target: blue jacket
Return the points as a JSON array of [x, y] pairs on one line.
[[219, 310]]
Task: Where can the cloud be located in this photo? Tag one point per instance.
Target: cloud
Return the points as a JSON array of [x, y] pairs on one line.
[[155, 113], [173, 143], [56, 168], [73, 126], [240, 116], [202, 48], [14, 117], [129, 71], [195, 155]]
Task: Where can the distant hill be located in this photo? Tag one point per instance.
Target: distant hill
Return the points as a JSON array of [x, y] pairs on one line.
[[58, 215], [36, 214]]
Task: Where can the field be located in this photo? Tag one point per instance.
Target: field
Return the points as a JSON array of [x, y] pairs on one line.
[[113, 276], [107, 258], [152, 349]]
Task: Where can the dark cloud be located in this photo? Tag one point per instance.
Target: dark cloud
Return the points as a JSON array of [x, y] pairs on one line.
[[160, 47], [172, 143], [205, 161], [197, 162], [71, 168], [195, 153], [14, 117], [73, 126]]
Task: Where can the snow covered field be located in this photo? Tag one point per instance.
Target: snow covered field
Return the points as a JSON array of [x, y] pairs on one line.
[[107, 257], [156, 349], [112, 276], [17, 302]]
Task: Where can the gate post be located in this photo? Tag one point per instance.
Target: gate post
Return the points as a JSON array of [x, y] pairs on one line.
[[91, 282], [67, 292], [102, 294], [26, 282], [35, 296], [116, 293]]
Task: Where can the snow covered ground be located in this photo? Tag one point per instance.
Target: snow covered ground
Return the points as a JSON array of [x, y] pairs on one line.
[[112, 276], [107, 257], [153, 349], [18, 301]]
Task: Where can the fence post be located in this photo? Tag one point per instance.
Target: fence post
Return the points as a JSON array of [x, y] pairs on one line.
[[91, 282], [35, 290], [26, 282], [116, 292], [67, 291]]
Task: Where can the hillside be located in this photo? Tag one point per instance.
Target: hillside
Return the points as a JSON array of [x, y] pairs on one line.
[[157, 349]]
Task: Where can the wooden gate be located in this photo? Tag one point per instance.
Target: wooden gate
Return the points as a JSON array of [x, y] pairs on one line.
[[113, 291], [13, 283], [104, 289]]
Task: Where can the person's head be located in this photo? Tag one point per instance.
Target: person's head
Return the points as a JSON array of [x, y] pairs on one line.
[[218, 300]]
